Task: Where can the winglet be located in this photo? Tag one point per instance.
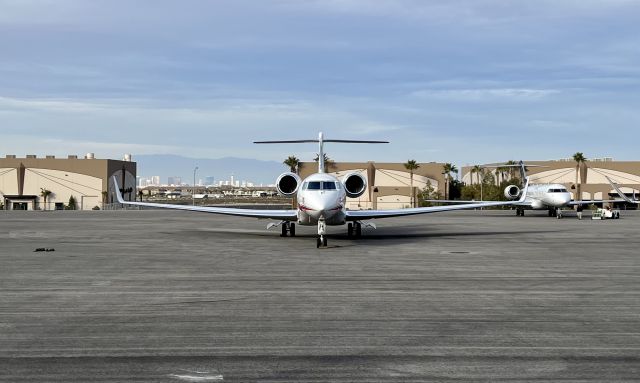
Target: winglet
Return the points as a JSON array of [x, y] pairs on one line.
[[118, 194], [620, 193], [524, 190]]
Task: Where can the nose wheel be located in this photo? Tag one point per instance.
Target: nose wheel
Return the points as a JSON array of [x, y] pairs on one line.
[[322, 231], [321, 241]]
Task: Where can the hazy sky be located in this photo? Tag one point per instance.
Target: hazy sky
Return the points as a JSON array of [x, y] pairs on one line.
[[464, 81]]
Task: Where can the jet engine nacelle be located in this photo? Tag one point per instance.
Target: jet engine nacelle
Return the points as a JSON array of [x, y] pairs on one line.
[[354, 185], [288, 184], [512, 192]]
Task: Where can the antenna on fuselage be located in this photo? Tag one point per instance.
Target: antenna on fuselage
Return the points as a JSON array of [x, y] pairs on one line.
[[321, 142]]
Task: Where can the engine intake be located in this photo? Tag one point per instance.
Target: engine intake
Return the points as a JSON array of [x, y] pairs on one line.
[[354, 185], [512, 192], [288, 184]]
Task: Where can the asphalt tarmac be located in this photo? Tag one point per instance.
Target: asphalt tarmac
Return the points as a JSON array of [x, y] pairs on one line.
[[175, 296]]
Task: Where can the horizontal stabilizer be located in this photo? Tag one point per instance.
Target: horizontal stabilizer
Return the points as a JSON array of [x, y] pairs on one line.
[[328, 140]]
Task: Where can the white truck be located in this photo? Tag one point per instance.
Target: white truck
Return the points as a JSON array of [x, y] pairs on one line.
[[606, 213]]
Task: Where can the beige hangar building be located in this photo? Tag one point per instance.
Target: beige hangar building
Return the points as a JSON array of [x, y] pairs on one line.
[[593, 173], [88, 180], [388, 184]]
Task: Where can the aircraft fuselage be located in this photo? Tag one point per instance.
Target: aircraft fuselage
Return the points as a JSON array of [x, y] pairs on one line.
[[321, 197], [546, 196]]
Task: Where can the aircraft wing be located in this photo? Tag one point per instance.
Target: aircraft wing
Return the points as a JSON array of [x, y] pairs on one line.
[[356, 215], [452, 201], [285, 215], [589, 202], [621, 194]]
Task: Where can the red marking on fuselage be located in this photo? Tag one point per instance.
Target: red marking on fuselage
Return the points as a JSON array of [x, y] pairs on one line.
[[304, 208]]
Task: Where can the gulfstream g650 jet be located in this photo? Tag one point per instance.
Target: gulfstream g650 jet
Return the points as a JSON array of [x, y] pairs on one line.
[[321, 200]]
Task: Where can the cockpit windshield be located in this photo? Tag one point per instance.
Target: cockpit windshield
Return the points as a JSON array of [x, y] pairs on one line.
[[320, 185], [561, 190]]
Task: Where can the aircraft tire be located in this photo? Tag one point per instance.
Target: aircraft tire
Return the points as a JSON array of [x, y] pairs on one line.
[[318, 242], [350, 230], [283, 232], [358, 230], [292, 229], [324, 241]]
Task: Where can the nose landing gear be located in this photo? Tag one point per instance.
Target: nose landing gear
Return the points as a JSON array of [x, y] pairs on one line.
[[322, 231]]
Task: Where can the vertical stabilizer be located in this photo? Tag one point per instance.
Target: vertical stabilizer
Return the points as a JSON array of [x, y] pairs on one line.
[[523, 171], [320, 153]]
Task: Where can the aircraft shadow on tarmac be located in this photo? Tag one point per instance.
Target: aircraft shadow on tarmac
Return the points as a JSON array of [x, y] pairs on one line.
[[381, 234]]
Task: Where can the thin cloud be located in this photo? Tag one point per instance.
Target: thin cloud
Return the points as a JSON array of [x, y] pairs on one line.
[[486, 95]]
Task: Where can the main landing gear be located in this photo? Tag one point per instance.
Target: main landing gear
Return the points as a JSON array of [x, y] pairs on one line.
[[288, 227], [519, 212], [555, 212], [354, 229]]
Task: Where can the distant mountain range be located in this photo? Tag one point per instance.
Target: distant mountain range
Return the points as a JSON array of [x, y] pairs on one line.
[[243, 169]]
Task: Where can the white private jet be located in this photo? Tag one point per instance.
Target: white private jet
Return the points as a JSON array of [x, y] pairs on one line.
[[321, 200], [550, 197]]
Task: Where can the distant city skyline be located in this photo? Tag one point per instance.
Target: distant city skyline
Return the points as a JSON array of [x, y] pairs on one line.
[[144, 181]]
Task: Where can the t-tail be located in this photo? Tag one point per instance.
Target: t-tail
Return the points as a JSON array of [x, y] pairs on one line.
[[321, 140]]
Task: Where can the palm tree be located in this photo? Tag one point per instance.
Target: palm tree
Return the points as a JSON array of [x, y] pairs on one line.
[[477, 169], [105, 195], [293, 163], [44, 193], [579, 158], [412, 165], [328, 162], [511, 169], [447, 169]]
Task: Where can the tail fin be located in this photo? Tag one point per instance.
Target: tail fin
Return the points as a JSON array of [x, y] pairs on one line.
[[521, 165], [523, 170], [321, 142], [523, 196]]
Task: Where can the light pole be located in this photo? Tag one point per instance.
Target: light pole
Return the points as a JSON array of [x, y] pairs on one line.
[[481, 182], [193, 191]]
